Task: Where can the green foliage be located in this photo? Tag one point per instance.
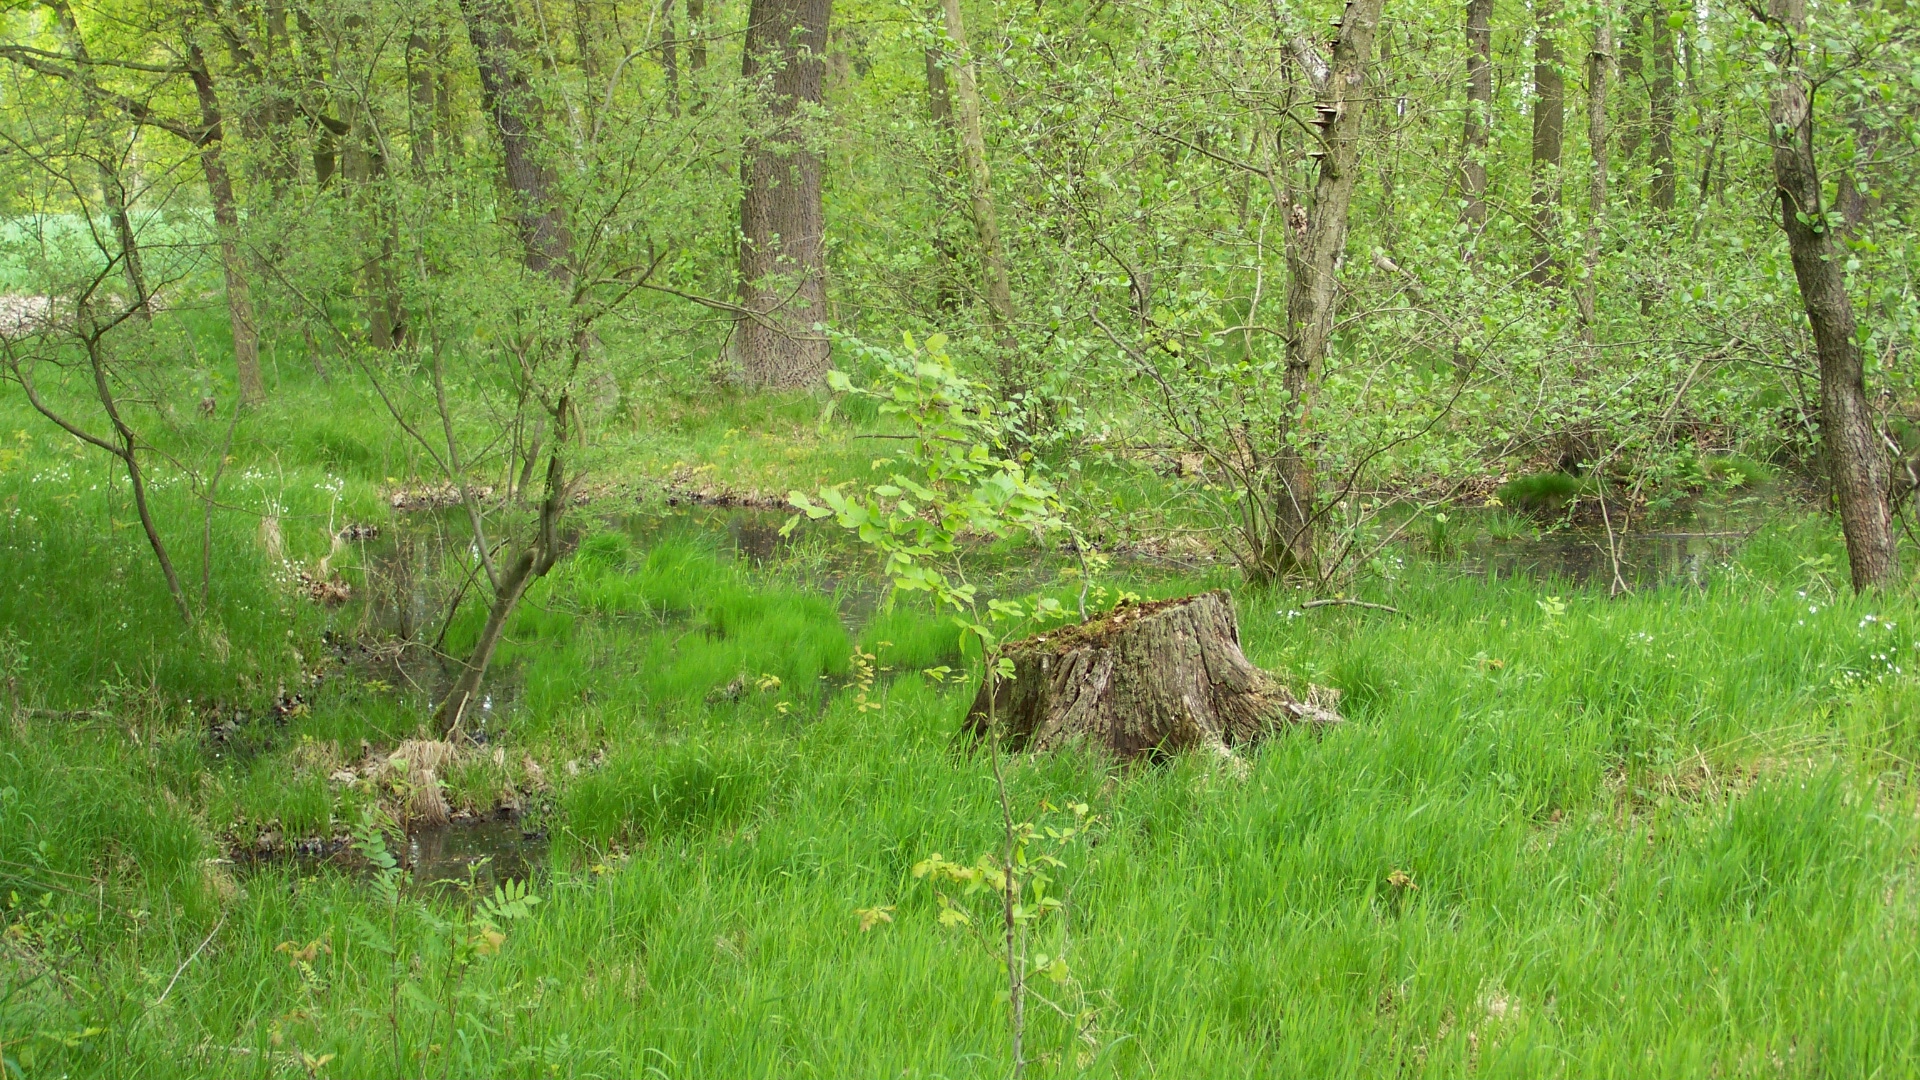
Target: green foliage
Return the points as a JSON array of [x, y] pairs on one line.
[[951, 480]]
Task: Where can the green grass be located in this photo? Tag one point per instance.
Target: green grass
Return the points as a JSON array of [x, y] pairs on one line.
[[1671, 833]]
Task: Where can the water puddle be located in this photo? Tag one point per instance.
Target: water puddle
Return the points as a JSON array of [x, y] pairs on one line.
[[1645, 559], [480, 852], [483, 853], [1686, 546]]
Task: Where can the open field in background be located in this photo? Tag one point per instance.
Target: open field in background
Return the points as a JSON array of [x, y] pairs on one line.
[[1559, 834]]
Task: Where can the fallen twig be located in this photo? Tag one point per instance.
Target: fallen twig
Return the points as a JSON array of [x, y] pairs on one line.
[[177, 972], [1342, 602]]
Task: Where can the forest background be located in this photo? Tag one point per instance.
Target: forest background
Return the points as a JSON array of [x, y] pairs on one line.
[[401, 401]]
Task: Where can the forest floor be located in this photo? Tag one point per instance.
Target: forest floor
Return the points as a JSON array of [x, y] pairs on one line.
[[1672, 832]]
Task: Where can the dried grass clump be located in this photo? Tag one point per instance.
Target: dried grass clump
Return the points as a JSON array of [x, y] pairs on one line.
[[415, 768]]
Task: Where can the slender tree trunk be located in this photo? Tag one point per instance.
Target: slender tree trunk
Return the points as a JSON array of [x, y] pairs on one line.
[[583, 39], [986, 219], [420, 102], [1473, 162], [115, 194], [123, 444], [1633, 129], [226, 219], [696, 38], [1313, 262], [1395, 107], [782, 223], [1660, 108], [529, 565], [546, 249], [1599, 83], [1549, 139], [362, 167], [136, 479], [1855, 464], [113, 191], [670, 56], [946, 297]]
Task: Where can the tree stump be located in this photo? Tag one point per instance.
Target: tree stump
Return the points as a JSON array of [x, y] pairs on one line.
[[1148, 679]]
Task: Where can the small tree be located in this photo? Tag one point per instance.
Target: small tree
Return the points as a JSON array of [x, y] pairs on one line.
[[953, 479]]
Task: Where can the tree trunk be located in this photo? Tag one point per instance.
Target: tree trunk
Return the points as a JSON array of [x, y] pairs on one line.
[[940, 106], [363, 167], [696, 38], [782, 224], [1599, 82], [129, 454], [115, 194], [583, 40], [226, 219], [123, 444], [1633, 128], [1855, 464], [670, 57], [1660, 106], [507, 594], [1473, 161], [986, 219], [422, 60], [1313, 258], [546, 248], [113, 191], [1549, 138], [506, 94], [1146, 681]]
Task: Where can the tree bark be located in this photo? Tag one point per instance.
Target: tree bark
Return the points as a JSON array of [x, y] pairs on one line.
[[422, 60], [226, 219], [1549, 139], [1473, 163], [782, 223], [1146, 681], [1599, 84], [509, 97], [1855, 464], [670, 57], [696, 38], [940, 107], [1313, 257], [1660, 107], [1633, 129], [986, 218]]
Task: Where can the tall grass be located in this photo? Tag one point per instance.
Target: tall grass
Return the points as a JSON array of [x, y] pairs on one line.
[[1670, 833]]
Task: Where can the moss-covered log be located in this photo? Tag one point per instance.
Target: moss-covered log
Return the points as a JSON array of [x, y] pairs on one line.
[[1155, 678]]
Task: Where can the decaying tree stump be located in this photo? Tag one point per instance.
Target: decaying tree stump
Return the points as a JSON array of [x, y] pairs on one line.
[[1153, 678]]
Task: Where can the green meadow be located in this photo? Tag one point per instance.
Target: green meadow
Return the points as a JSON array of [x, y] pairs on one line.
[[1558, 834]]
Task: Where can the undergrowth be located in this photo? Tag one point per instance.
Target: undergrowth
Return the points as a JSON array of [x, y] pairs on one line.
[[1672, 832]]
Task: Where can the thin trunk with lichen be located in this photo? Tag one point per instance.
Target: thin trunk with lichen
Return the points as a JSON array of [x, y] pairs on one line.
[[1313, 260], [1856, 465]]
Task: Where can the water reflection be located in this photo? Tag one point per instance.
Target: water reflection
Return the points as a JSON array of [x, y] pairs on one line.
[[1645, 558], [485, 853]]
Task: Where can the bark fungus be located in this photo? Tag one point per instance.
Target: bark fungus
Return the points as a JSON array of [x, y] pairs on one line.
[[1147, 680]]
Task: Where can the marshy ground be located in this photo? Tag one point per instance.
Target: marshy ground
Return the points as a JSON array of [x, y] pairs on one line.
[[1560, 832]]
